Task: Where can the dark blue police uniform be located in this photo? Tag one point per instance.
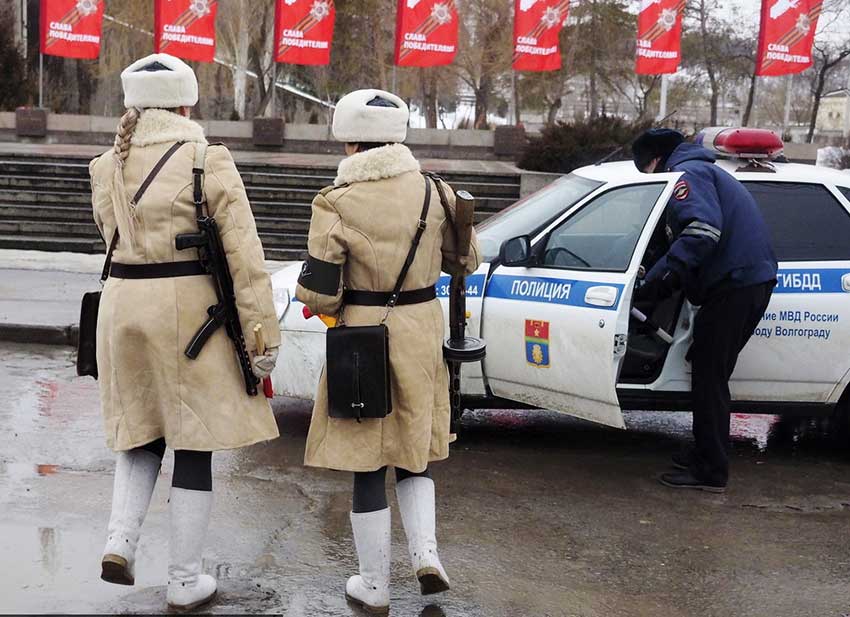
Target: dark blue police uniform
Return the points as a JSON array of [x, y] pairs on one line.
[[721, 256]]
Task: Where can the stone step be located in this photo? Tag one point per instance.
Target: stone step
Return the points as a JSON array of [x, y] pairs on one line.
[[50, 228], [29, 212], [49, 183], [283, 240], [43, 243], [83, 245], [78, 166]]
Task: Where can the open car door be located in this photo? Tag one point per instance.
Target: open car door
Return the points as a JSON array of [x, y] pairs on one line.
[[556, 327]]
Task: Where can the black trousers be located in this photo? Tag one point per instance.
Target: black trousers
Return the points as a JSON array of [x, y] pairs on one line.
[[722, 328], [370, 493], [192, 469]]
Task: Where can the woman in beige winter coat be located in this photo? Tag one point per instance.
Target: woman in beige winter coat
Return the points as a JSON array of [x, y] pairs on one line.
[[153, 302], [361, 231]]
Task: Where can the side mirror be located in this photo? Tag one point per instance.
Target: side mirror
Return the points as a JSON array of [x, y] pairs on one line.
[[516, 252]]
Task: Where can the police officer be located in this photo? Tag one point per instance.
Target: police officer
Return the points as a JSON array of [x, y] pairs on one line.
[[721, 256], [155, 298], [360, 233]]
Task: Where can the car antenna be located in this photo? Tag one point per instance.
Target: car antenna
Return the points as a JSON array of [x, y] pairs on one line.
[[619, 149]]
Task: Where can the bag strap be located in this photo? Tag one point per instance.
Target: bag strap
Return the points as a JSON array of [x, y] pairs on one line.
[[156, 169], [136, 198], [411, 254], [108, 263], [198, 179]]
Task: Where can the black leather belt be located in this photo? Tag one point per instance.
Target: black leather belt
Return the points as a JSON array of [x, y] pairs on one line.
[[157, 271], [382, 298]]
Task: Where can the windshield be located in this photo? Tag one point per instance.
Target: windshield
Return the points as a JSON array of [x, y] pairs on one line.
[[531, 214]]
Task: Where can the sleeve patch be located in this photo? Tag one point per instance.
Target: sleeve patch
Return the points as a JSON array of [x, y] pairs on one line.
[[681, 190]]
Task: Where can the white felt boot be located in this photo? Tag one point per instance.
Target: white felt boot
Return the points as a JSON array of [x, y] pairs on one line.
[[371, 588], [416, 502], [190, 517], [135, 476]]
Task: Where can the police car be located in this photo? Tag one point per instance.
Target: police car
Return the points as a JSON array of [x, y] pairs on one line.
[[553, 298]]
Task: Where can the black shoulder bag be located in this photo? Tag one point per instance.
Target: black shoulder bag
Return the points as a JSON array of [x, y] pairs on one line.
[[87, 337], [358, 357]]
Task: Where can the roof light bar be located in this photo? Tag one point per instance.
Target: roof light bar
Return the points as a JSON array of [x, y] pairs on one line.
[[741, 143]]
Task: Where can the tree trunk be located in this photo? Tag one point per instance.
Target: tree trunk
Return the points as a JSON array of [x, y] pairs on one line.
[[428, 83], [481, 96], [715, 97], [240, 50], [818, 94], [751, 97], [552, 113], [708, 60]]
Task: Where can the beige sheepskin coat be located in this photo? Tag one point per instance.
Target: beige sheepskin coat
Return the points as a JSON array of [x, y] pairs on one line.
[[366, 223], [149, 388]]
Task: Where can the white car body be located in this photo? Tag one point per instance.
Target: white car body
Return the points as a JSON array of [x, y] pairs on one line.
[[798, 360]]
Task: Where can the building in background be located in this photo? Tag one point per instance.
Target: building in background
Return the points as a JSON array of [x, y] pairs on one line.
[[833, 120]]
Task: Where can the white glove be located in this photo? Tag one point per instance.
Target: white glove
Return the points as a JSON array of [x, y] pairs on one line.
[[263, 365]]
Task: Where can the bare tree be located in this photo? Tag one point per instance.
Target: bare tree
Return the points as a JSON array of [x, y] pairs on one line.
[[832, 46], [485, 52]]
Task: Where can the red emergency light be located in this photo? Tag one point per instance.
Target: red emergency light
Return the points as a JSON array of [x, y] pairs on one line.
[[742, 143]]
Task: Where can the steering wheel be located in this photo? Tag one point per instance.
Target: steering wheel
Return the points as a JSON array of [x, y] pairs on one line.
[[554, 252]]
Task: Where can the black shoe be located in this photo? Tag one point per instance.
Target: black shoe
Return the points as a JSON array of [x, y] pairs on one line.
[[685, 479], [684, 459]]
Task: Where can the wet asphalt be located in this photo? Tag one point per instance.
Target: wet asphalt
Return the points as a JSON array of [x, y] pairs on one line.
[[539, 515]]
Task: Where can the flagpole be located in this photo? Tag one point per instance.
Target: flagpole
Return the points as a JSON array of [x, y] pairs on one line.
[[40, 79], [662, 110], [273, 102], [787, 118], [395, 79], [514, 106]]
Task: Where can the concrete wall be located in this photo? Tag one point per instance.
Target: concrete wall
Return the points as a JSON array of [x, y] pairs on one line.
[[532, 181], [306, 138]]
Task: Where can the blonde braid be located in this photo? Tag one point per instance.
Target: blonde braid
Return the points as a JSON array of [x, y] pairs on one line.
[[125, 212], [124, 134]]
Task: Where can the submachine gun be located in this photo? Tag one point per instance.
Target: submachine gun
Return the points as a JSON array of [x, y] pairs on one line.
[[224, 313], [459, 349]]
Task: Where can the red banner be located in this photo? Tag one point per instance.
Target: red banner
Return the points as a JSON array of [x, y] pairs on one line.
[[787, 35], [659, 37], [304, 30], [426, 32], [185, 28], [537, 26], [71, 28]]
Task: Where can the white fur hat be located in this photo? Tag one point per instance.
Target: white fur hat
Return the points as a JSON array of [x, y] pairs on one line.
[[159, 80], [382, 121]]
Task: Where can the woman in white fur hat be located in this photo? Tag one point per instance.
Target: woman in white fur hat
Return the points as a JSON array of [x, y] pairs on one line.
[[360, 234], [153, 302]]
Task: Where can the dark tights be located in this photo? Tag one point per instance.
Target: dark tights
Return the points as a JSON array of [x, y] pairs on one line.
[[192, 469], [370, 492]]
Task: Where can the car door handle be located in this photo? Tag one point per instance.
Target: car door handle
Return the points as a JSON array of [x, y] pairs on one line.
[[601, 295], [845, 282]]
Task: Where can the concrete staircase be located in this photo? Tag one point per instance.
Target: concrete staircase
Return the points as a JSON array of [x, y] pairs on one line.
[[45, 202]]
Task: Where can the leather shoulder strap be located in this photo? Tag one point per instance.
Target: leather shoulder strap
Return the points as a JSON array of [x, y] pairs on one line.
[[198, 179], [108, 263], [332, 187], [411, 255], [444, 201], [156, 169]]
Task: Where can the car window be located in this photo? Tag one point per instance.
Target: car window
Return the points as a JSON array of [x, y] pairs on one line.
[[846, 191], [806, 221], [603, 234], [532, 214]]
